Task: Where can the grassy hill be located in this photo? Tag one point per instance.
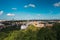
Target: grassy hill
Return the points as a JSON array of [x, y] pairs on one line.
[[31, 33]]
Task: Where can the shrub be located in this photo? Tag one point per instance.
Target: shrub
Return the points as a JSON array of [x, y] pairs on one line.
[[46, 34]]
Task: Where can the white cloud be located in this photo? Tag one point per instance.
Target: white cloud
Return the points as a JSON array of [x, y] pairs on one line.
[[14, 8], [1, 12], [57, 4], [10, 14], [30, 5], [26, 6]]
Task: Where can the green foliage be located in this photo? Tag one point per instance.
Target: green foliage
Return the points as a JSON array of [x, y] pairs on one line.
[[46, 34], [27, 34], [12, 35], [32, 28], [56, 28], [3, 35], [31, 33]]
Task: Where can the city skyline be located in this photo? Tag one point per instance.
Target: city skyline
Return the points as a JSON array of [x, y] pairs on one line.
[[29, 9]]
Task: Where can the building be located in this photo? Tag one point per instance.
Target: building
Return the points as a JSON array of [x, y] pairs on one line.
[[23, 24]]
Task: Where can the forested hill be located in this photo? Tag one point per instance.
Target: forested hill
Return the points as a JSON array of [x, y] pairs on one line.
[[32, 33]]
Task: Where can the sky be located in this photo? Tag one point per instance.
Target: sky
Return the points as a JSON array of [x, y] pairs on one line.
[[29, 9]]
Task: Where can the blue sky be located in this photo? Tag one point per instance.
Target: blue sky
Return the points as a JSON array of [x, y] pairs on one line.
[[29, 9]]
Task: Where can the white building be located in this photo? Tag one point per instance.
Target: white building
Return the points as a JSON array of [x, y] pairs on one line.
[[23, 26]]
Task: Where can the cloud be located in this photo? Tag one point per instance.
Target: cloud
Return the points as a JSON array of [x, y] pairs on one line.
[[30, 5], [1, 12], [26, 6], [10, 14], [14, 8], [57, 4]]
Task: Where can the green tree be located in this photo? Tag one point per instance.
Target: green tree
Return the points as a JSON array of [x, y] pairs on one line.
[[46, 34], [28, 34], [56, 28]]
